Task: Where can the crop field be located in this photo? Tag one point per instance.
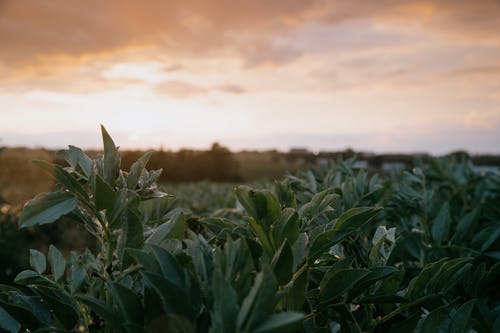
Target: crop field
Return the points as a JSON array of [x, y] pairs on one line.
[[330, 249]]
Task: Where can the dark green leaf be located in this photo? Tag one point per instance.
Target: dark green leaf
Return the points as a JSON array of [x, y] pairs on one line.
[[77, 158], [441, 224], [46, 208], [57, 262], [136, 170], [172, 229], [282, 263], [38, 261], [100, 308], [341, 282], [226, 307], [128, 303], [259, 302], [461, 320], [104, 195], [111, 159], [355, 218]]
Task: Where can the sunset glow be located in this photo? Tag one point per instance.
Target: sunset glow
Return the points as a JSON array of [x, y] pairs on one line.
[[378, 76]]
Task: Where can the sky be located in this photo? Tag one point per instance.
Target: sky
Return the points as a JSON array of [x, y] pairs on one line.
[[382, 76]]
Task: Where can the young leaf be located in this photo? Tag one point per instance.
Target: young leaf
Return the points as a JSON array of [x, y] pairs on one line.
[[136, 170], [57, 262], [38, 261], [111, 159], [46, 208]]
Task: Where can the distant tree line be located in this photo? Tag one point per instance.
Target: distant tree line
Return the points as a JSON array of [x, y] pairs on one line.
[[216, 164]]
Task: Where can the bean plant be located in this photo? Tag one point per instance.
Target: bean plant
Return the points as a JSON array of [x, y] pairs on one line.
[[332, 249]]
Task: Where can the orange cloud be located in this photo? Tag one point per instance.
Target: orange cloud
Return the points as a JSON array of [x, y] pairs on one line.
[[30, 29]]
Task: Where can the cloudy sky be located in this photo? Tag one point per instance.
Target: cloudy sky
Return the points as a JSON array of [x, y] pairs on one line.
[[372, 75]]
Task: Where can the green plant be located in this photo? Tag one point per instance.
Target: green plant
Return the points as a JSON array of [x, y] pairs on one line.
[[145, 275], [328, 250]]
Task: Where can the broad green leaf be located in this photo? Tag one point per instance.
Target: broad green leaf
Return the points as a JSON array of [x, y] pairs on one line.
[[461, 320], [8, 323], [77, 158], [172, 229], [174, 300], [131, 236], [171, 270], [119, 206], [287, 227], [441, 224], [261, 235], [145, 259], [465, 225], [46, 208], [63, 307], [26, 276], [259, 302], [226, 307], [128, 303], [136, 170], [376, 274], [77, 277], [445, 277], [155, 209], [111, 158], [285, 322], [282, 263], [262, 205], [38, 261], [436, 321], [324, 241], [100, 308], [418, 285], [486, 237], [104, 195], [57, 262], [296, 296], [31, 310], [341, 282], [355, 218], [22, 311]]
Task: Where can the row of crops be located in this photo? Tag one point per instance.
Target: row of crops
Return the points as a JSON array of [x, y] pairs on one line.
[[328, 250]]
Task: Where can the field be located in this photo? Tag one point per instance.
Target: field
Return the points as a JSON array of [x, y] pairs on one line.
[[329, 249]]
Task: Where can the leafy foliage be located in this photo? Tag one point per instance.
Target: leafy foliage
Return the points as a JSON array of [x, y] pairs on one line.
[[328, 250]]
